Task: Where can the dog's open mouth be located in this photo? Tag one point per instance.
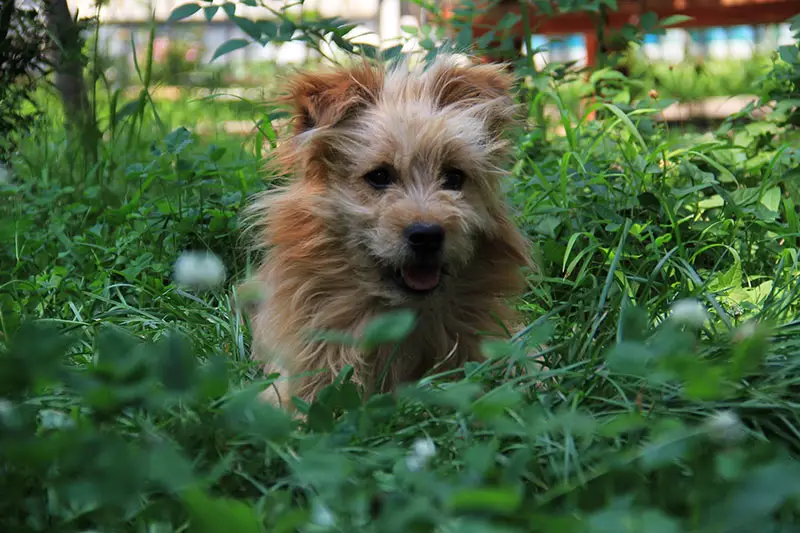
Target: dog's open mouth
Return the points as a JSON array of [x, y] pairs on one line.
[[421, 277]]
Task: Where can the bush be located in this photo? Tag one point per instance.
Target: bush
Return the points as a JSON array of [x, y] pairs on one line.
[[23, 44]]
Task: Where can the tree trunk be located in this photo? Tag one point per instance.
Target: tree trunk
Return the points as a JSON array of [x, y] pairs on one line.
[[68, 67]]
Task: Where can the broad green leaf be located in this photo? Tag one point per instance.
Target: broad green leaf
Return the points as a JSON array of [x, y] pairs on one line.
[[183, 11], [665, 448], [625, 119], [501, 500], [388, 328], [209, 12], [789, 54], [497, 349], [611, 520], [630, 357], [648, 21], [228, 47], [496, 401], [214, 515], [672, 20], [758, 494], [772, 199]]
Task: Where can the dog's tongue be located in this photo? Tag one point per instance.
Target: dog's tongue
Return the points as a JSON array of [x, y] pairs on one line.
[[421, 278]]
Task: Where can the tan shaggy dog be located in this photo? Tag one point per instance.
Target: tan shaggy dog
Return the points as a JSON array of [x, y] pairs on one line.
[[394, 201]]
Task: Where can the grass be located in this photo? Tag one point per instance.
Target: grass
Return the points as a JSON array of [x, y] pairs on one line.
[[128, 402]]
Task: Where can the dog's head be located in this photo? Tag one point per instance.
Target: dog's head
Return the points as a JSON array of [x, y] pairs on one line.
[[406, 163]]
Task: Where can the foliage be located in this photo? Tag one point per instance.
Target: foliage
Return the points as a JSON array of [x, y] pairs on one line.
[[782, 83], [128, 403], [695, 79], [23, 39]]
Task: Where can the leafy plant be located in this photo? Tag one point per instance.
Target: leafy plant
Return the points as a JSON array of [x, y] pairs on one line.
[[653, 388], [23, 40]]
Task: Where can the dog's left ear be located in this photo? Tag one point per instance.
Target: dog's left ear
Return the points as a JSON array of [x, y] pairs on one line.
[[325, 98], [486, 85]]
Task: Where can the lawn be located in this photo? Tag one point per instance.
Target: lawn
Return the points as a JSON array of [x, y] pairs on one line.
[[665, 311]]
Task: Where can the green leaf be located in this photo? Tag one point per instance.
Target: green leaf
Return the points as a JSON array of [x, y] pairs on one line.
[[209, 12], [648, 21], [457, 395], [183, 11], [252, 29], [228, 47], [706, 383], [667, 446], [606, 74], [117, 353], [268, 28], [210, 515], [789, 54], [508, 21], [388, 328], [760, 492], [246, 413], [496, 401], [496, 349], [333, 337], [772, 199], [616, 520], [633, 324], [630, 357], [169, 468], [229, 9], [500, 500], [672, 20], [625, 119], [177, 364], [621, 424]]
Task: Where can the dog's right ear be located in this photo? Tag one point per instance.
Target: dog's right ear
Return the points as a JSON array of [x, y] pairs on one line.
[[323, 99]]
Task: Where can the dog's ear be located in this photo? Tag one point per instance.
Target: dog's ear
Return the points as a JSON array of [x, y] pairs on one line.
[[486, 85], [457, 83], [325, 98]]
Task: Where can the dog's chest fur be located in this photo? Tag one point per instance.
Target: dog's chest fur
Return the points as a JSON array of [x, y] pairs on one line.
[[440, 340]]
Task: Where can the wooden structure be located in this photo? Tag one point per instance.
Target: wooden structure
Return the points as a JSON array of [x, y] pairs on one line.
[[704, 13]]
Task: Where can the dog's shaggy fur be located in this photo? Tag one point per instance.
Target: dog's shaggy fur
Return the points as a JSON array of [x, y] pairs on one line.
[[376, 155]]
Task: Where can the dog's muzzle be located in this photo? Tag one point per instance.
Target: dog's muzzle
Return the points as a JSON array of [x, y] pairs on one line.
[[423, 272]]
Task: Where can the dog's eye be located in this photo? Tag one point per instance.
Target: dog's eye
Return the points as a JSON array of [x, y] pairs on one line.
[[452, 179], [380, 178]]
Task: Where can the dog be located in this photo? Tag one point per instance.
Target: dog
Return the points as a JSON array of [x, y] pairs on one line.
[[393, 202]]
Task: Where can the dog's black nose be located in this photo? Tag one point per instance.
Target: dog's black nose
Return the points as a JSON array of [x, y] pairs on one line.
[[424, 237]]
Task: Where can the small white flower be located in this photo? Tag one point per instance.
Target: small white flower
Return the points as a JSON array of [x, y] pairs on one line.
[[421, 452], [5, 175], [53, 419], [725, 426], [8, 413], [199, 269], [745, 331], [6, 407], [322, 516], [689, 312]]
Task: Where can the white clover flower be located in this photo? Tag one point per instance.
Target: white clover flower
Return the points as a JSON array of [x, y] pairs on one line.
[[421, 452], [689, 312], [5, 175], [6, 408], [8, 413], [322, 516], [200, 270], [725, 426], [745, 331], [53, 419]]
